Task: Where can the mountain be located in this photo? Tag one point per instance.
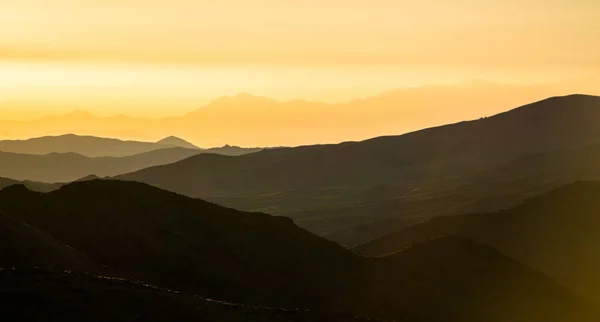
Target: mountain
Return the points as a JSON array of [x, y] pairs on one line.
[[333, 188], [175, 141], [489, 190], [556, 233], [24, 245], [45, 296], [172, 241], [35, 186], [85, 145], [70, 166], [248, 120], [66, 167]]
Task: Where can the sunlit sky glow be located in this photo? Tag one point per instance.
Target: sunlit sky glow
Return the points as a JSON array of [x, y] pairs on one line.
[[159, 57]]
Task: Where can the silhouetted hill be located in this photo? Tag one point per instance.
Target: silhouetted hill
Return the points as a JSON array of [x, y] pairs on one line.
[[179, 142], [494, 188], [187, 244], [556, 233], [66, 167], [23, 245], [44, 295], [5, 182], [32, 185], [177, 242], [498, 288], [331, 188], [85, 145]]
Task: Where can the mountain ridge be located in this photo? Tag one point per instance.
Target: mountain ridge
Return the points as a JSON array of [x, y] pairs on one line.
[[177, 242], [318, 185], [553, 233]]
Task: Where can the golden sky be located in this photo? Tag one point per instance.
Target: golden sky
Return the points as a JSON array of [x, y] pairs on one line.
[[159, 57]]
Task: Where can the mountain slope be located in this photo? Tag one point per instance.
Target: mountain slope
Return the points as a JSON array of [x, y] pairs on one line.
[[473, 282], [173, 241], [23, 245], [556, 233], [66, 167], [44, 295], [190, 244], [320, 185]]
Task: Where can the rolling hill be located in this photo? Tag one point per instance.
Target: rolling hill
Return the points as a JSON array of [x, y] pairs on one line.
[[67, 167], [89, 146], [65, 296], [332, 188], [172, 241], [556, 233], [23, 245]]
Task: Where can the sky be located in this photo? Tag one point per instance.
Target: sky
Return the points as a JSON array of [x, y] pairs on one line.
[[167, 57]]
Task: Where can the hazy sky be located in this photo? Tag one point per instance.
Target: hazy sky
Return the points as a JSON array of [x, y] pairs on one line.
[[169, 56]]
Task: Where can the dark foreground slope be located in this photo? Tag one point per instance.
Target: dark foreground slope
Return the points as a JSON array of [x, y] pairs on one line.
[[187, 244], [23, 245], [141, 232], [557, 233], [330, 188], [51, 296]]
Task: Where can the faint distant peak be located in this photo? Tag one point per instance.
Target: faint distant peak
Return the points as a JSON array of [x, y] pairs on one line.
[[241, 98], [176, 141]]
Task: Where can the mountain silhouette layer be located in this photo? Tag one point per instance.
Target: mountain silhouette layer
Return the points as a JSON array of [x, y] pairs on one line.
[[46, 295], [85, 145], [70, 166], [21, 244], [248, 120], [330, 189], [556, 233], [172, 241]]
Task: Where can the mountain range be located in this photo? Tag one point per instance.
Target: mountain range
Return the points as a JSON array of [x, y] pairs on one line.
[[556, 233], [65, 162], [331, 189], [249, 120], [138, 232]]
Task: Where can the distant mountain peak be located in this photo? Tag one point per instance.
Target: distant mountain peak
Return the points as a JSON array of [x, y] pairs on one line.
[[176, 141], [241, 98], [80, 114]]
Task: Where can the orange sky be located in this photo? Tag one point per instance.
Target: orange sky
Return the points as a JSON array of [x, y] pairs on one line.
[[167, 57]]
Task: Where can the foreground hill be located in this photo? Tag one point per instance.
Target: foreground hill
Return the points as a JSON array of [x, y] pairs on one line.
[[21, 244], [141, 232], [44, 295], [330, 188], [557, 233]]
